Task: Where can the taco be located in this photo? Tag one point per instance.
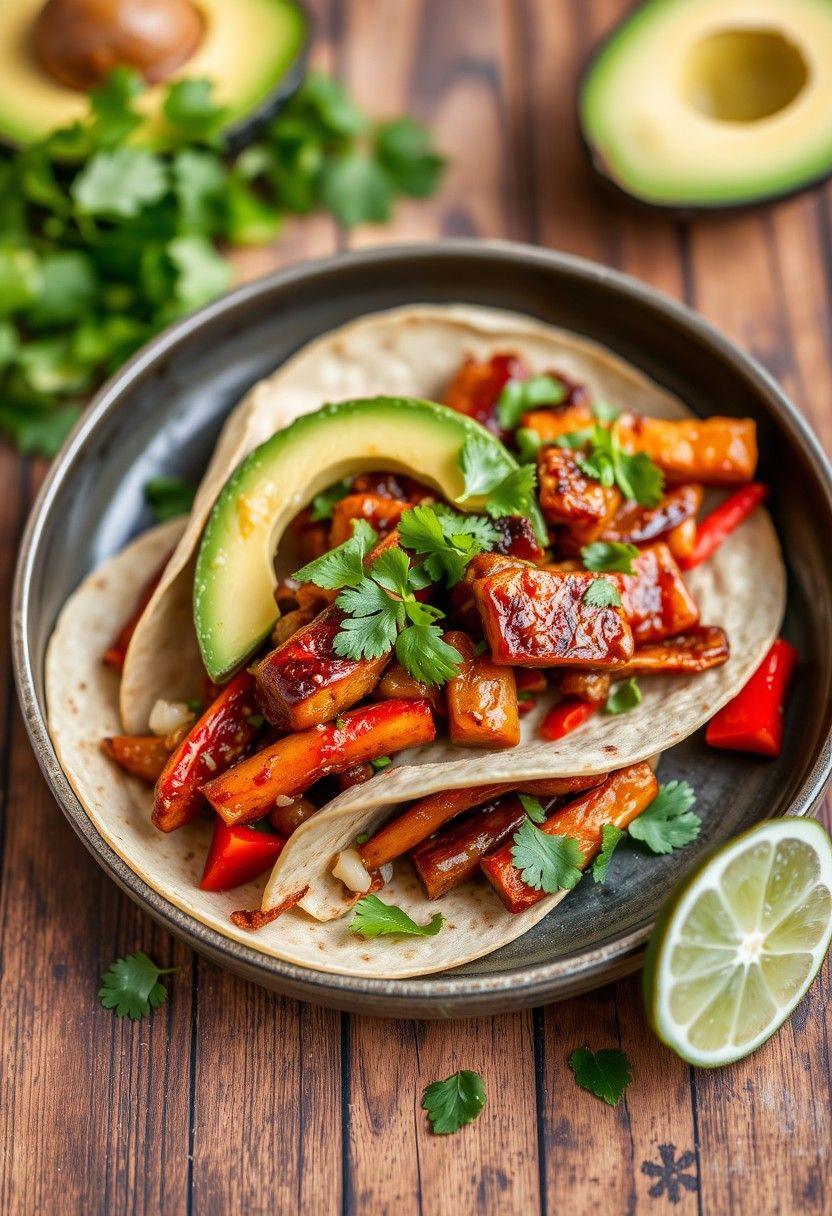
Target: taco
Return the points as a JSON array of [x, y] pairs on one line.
[[416, 659]]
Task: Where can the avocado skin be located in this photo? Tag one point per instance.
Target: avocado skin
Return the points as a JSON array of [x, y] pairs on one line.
[[615, 191]]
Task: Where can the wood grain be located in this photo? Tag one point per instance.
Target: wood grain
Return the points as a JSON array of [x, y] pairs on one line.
[[230, 1099]]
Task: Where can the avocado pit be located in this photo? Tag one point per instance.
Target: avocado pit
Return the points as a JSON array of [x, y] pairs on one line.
[[79, 41], [743, 75]]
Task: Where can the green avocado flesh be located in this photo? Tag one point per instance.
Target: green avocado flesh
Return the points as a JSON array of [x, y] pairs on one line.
[[247, 48], [234, 606], [699, 103]]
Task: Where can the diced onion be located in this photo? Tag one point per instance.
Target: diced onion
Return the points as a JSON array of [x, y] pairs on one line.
[[351, 870], [168, 716], [284, 800]]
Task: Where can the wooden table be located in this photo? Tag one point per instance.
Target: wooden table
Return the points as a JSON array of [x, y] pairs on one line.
[[229, 1100]]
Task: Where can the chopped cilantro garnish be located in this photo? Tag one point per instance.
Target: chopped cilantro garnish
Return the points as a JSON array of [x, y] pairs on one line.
[[490, 473], [528, 444], [342, 566], [130, 986], [636, 476], [520, 396], [374, 918], [362, 838], [532, 806], [609, 556], [380, 762], [446, 538], [668, 823], [604, 412], [454, 1102], [169, 497], [547, 863], [323, 503], [624, 697], [605, 1073], [611, 837], [601, 593]]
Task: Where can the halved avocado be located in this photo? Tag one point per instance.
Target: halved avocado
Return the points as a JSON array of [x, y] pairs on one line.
[[252, 51], [234, 606], [712, 103]]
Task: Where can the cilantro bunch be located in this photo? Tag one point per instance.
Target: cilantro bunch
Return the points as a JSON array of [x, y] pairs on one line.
[[103, 242]]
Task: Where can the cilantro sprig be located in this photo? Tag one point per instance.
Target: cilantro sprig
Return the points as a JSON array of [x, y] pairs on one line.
[[520, 396], [381, 610], [669, 823], [611, 837], [602, 457], [606, 1073], [168, 497], [609, 556], [546, 863], [374, 918], [490, 473], [454, 1102], [447, 539], [99, 256], [130, 986]]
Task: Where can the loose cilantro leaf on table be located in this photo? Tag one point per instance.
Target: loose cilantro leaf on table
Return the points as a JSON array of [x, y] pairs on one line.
[[668, 823], [403, 148], [605, 1073], [624, 697], [374, 918], [520, 396], [169, 497], [131, 986], [609, 556], [547, 863], [611, 837], [533, 808], [601, 593], [454, 1102]]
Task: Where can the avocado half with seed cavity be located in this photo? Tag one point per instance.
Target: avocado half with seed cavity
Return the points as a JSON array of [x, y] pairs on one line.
[[253, 51], [704, 104], [234, 605]]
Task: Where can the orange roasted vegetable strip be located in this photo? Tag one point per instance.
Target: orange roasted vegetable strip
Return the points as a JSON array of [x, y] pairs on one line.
[[114, 655], [382, 512], [592, 686], [449, 858], [621, 798], [221, 736], [715, 451], [143, 756], [482, 699], [292, 764], [426, 816]]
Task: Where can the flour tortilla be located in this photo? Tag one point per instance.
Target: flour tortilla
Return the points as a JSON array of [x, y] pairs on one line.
[[413, 351]]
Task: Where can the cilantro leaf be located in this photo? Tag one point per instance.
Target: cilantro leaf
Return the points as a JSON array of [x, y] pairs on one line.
[[330, 104], [604, 460], [378, 763], [601, 593], [604, 412], [67, 289], [357, 190], [454, 1102], [323, 503], [115, 116], [611, 836], [36, 430], [484, 465], [547, 863], [191, 110], [169, 497], [392, 572], [624, 697], [372, 628], [200, 272], [533, 808], [422, 651], [639, 478], [342, 566], [131, 986], [20, 280], [520, 396], [609, 555], [403, 147], [528, 444], [118, 184], [513, 495], [198, 179], [448, 539], [374, 918], [605, 1073], [668, 823]]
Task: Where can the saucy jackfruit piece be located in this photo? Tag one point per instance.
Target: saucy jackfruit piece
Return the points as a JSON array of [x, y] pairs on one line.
[[540, 618], [569, 498], [715, 451], [482, 699], [303, 682], [655, 597], [476, 387], [693, 652], [636, 524], [381, 512]]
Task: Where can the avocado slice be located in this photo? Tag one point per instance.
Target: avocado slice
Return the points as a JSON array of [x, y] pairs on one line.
[[234, 606], [693, 104], [252, 50]]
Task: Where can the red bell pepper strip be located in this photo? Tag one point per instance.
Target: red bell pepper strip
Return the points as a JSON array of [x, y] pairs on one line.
[[721, 522], [753, 720], [213, 744], [566, 716], [237, 855]]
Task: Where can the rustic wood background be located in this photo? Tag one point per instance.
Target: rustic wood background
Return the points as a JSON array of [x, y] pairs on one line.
[[229, 1099]]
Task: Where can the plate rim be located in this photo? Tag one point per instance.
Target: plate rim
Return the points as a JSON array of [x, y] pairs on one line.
[[444, 994]]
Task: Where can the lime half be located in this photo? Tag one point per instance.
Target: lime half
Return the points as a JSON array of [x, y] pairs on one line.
[[739, 943]]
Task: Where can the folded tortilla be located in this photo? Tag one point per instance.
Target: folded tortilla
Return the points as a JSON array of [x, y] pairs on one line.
[[413, 351]]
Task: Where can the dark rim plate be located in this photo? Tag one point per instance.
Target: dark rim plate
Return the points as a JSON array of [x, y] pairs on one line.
[[161, 413]]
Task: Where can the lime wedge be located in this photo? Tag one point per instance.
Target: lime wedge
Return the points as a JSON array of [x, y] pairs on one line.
[[739, 943]]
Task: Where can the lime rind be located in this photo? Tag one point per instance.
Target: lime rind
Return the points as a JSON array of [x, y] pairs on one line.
[[741, 941]]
